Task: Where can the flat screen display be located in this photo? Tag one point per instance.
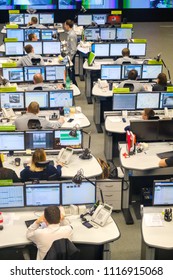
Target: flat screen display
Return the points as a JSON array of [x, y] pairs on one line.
[[63, 139], [128, 67], [38, 5], [110, 72], [30, 71], [151, 71], [55, 73], [29, 16], [114, 19], [14, 48], [16, 33], [13, 141], [108, 34], [61, 98], [162, 193], [137, 49], [42, 139], [116, 48], [47, 34], [99, 18], [91, 34], [145, 130], [14, 100], [124, 101], [11, 196], [41, 97], [51, 47], [100, 50], [35, 31], [84, 20], [124, 33], [165, 132], [148, 100], [147, 4], [46, 18], [13, 74], [17, 18], [166, 100], [37, 47]]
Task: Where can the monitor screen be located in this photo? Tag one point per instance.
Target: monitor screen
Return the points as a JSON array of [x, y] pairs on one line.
[[116, 48], [127, 67], [11, 196], [47, 34], [13, 141], [100, 50], [37, 47], [16, 33], [166, 100], [42, 139], [13, 100], [100, 4], [114, 19], [46, 18], [91, 57], [162, 193], [84, 20], [151, 71], [99, 18], [40, 96], [145, 130], [124, 33], [91, 34], [165, 130], [110, 72], [61, 98], [13, 74], [124, 101], [42, 194], [38, 5], [29, 16], [51, 47], [148, 100], [107, 33], [137, 49], [30, 71], [14, 48], [35, 31], [17, 19], [85, 193], [55, 73], [62, 139]]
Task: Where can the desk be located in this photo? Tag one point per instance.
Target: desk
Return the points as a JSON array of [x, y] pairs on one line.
[[154, 237], [14, 232], [141, 164]]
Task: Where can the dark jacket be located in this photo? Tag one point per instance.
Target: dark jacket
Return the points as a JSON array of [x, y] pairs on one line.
[[27, 175], [6, 173]]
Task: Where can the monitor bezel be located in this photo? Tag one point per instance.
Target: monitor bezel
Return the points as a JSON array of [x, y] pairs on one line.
[[17, 54], [39, 131], [153, 192], [58, 91], [15, 185], [12, 133], [68, 129], [152, 93], [123, 94]]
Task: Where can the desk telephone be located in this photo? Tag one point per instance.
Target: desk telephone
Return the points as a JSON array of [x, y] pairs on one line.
[[65, 155], [8, 113], [102, 214]]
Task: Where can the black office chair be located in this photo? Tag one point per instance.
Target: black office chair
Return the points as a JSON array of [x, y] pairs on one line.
[[35, 61], [38, 88], [154, 118], [42, 163], [62, 249], [130, 86], [34, 124], [126, 62]]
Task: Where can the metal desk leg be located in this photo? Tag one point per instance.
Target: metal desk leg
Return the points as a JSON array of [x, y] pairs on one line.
[[88, 86], [106, 252], [125, 200], [81, 72], [108, 145], [147, 253], [96, 114]]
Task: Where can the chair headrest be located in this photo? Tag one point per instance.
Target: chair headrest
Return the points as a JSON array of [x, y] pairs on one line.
[[35, 61], [34, 124], [42, 163]]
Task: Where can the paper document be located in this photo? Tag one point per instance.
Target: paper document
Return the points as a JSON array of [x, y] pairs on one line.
[[153, 220]]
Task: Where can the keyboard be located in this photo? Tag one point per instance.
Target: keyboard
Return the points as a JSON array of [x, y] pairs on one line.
[[29, 222], [165, 155]]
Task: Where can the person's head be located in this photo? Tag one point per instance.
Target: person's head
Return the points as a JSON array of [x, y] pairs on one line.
[[147, 114], [29, 48], [125, 52], [39, 155], [162, 79], [32, 37], [37, 78], [52, 214], [33, 108], [133, 74], [68, 24], [34, 20]]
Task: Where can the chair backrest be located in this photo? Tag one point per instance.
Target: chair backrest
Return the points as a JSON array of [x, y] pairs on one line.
[[38, 88], [62, 249], [35, 61], [154, 118], [126, 62], [34, 124], [130, 86]]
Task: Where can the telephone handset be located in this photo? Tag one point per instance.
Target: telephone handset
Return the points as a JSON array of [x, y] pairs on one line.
[[8, 113], [65, 155], [102, 214]]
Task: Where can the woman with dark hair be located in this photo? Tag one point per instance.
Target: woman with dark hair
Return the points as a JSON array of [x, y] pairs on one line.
[[161, 83], [7, 173]]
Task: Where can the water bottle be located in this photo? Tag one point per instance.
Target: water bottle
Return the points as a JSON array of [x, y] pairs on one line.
[[66, 108], [67, 82]]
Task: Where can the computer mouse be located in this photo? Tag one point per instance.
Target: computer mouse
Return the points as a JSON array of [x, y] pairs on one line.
[[1, 227]]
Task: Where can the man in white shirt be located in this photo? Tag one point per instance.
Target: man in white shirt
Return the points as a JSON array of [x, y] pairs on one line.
[[27, 59], [126, 58], [54, 230], [38, 84]]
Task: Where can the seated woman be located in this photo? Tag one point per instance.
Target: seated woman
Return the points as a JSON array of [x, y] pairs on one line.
[[7, 173], [161, 82], [40, 169]]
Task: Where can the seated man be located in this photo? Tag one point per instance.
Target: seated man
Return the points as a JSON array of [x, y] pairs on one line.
[[40, 85], [33, 109], [126, 57], [132, 79], [32, 37], [27, 59], [34, 23]]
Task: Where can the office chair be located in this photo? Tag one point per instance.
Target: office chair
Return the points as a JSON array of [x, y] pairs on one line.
[[130, 86], [42, 163], [126, 62], [34, 124], [62, 249], [35, 61], [154, 118], [38, 88]]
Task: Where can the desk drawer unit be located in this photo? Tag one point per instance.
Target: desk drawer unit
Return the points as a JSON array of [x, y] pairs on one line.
[[112, 191]]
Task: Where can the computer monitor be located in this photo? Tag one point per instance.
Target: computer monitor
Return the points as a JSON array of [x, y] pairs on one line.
[[124, 33], [137, 49], [128, 67], [145, 130], [162, 193], [114, 19], [15, 33], [39, 96], [30, 71], [14, 74], [110, 72], [124, 101], [100, 50], [55, 73], [91, 34], [17, 19], [42, 194], [11, 196], [108, 34], [14, 48], [39, 139], [47, 34], [51, 48], [85, 193], [166, 100], [116, 48], [151, 71], [14, 100], [61, 98], [29, 16], [84, 20], [148, 100], [37, 47], [28, 31], [63, 139], [99, 19], [46, 18], [91, 57], [165, 132], [13, 141]]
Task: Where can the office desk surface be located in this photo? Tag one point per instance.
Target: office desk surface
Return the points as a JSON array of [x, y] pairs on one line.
[[97, 63], [14, 232]]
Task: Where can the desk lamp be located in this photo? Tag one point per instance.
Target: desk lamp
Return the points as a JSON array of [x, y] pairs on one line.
[[86, 152]]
